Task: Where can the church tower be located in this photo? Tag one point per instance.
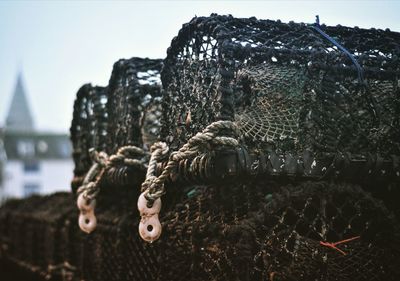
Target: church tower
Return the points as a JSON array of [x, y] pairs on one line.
[[19, 118], [29, 157]]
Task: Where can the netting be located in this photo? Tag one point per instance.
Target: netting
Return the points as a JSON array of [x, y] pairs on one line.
[[272, 116], [256, 231], [31, 233], [88, 127], [134, 95], [308, 191], [126, 112], [287, 87], [274, 232]]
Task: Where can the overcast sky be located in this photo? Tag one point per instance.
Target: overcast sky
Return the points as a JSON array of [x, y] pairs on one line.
[[59, 46]]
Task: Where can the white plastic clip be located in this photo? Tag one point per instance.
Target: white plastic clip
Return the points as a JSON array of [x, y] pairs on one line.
[[87, 219], [149, 226]]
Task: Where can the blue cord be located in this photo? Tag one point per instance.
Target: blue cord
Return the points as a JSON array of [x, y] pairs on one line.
[[360, 71]]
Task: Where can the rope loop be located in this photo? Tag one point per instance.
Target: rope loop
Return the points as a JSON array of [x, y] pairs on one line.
[[87, 192], [153, 187], [200, 142]]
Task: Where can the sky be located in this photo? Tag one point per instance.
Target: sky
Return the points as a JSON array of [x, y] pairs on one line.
[[60, 45]]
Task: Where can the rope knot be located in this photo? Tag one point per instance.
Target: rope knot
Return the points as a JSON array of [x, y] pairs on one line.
[[98, 157], [87, 192], [153, 187]]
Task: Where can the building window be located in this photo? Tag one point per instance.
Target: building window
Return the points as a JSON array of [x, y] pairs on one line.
[[31, 188], [42, 146], [26, 148], [31, 167]]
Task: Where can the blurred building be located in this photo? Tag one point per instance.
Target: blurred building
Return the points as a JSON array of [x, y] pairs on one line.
[[31, 161]]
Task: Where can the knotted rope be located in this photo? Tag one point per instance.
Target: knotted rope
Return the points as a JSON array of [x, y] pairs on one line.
[[87, 193], [201, 142], [153, 186], [101, 161]]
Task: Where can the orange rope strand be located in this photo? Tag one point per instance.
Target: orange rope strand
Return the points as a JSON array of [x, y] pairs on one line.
[[333, 245]]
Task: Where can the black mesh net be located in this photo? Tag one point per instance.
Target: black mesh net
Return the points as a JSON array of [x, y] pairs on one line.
[[133, 106], [31, 233], [89, 126], [273, 208], [254, 231], [126, 112], [274, 232], [288, 88]]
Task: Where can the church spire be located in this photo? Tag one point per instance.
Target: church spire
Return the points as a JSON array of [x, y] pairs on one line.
[[19, 116]]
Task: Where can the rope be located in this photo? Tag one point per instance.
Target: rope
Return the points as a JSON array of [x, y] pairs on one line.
[[123, 156], [202, 141], [333, 245], [360, 70], [101, 161], [87, 193]]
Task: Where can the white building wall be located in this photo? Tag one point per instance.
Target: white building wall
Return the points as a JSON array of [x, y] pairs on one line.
[[57, 175], [52, 176], [13, 179]]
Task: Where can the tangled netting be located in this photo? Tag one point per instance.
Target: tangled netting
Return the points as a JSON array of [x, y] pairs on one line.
[[257, 231], [126, 112], [271, 207]]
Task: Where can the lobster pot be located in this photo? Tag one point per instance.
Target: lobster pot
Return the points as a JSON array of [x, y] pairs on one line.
[[41, 235], [31, 232], [133, 107], [88, 128], [114, 251], [126, 112], [290, 90], [294, 97], [303, 109], [255, 231], [246, 232]]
